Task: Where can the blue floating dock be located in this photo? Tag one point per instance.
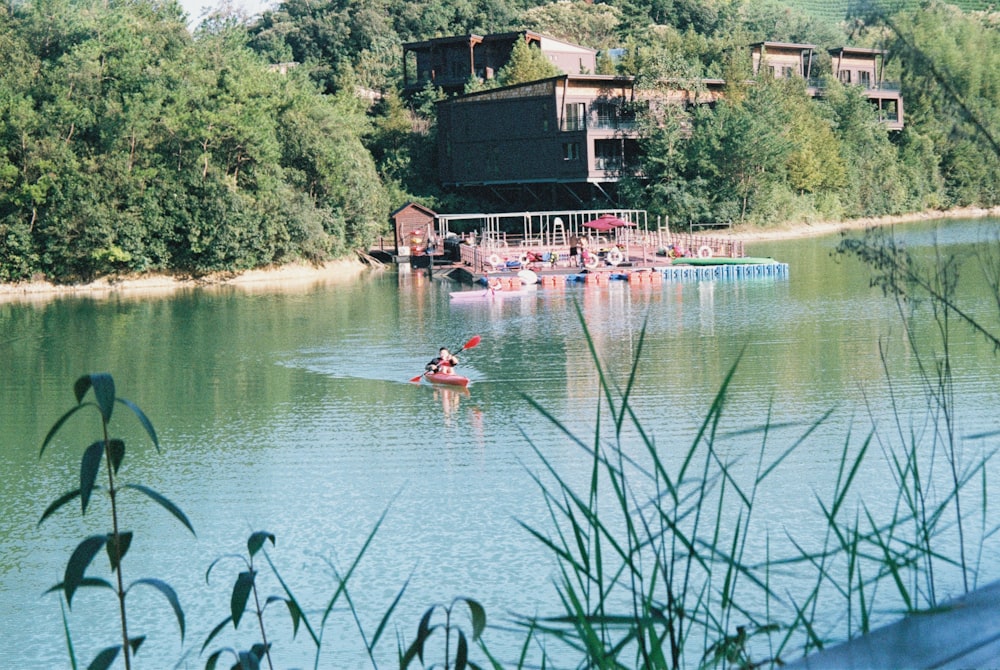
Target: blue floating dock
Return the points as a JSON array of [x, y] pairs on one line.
[[728, 271]]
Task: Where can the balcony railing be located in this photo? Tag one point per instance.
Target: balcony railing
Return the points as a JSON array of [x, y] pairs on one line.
[[614, 123], [817, 83], [608, 163], [598, 123]]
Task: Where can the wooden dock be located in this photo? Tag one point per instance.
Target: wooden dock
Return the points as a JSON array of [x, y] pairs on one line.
[[634, 249], [631, 256], [962, 634]]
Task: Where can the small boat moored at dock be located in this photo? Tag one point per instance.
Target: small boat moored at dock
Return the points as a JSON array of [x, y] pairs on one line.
[[482, 295]]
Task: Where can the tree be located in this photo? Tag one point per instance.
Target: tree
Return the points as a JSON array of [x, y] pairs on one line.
[[741, 148], [874, 183], [952, 99], [526, 63], [585, 23], [814, 163]]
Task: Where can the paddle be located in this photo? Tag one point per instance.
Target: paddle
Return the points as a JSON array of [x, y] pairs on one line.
[[473, 341]]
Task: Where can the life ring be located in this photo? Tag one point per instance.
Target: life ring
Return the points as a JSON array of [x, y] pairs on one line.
[[615, 256], [591, 261], [495, 260], [705, 251], [523, 260]]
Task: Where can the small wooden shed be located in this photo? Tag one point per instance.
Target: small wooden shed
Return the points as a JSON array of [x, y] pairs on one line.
[[413, 224]]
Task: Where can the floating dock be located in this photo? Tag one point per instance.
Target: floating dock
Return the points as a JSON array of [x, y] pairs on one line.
[[729, 271]]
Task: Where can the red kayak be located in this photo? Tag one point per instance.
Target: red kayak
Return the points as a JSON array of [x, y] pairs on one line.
[[451, 379]]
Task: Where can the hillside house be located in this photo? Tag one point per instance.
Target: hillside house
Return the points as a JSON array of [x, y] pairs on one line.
[[854, 66], [564, 139], [570, 139], [782, 59], [450, 62]]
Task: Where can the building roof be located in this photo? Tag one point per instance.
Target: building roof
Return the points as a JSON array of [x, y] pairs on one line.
[[413, 205], [784, 45], [610, 79], [857, 51], [472, 38]]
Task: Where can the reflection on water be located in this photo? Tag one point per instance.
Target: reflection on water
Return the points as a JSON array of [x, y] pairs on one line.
[[291, 411]]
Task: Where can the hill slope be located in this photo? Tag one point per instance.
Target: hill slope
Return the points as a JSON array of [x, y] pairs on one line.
[[837, 10]]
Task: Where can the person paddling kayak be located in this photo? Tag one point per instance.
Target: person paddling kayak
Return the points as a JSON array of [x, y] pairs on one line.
[[443, 362]]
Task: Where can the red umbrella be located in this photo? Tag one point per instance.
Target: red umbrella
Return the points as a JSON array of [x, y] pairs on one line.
[[607, 222], [601, 224]]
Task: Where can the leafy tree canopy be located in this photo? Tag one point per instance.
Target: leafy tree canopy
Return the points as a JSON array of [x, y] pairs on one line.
[[527, 63], [127, 145]]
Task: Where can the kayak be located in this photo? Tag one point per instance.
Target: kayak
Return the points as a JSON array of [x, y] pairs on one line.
[[451, 379]]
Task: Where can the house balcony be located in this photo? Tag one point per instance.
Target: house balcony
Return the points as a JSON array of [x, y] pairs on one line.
[[608, 163], [815, 86], [613, 123], [598, 123], [885, 96]]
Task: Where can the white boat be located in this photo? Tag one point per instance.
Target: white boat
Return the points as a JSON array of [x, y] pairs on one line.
[[488, 294]]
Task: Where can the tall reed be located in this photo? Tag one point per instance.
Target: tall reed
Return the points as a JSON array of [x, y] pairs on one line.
[[653, 558]]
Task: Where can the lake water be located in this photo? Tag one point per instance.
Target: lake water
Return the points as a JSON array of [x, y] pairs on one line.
[[290, 411]]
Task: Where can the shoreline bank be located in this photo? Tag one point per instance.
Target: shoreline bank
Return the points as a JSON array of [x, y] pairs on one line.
[[300, 275], [790, 231], [293, 275]]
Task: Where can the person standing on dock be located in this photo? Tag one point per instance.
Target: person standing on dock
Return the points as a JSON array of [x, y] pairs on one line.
[[574, 251], [584, 252]]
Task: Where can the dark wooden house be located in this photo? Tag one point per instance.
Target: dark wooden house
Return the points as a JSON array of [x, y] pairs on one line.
[[566, 139], [450, 62], [570, 139]]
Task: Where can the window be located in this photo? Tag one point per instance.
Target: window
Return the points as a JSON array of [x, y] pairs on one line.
[[627, 114], [608, 154], [571, 151], [865, 78], [845, 76], [605, 113], [575, 117], [890, 112]]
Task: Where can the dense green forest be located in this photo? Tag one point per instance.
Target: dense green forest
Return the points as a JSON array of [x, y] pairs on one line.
[[129, 144]]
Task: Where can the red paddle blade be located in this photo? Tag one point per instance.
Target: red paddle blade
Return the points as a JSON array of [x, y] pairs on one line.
[[417, 378], [472, 342]]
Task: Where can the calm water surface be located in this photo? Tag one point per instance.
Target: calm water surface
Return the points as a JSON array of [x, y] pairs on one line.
[[290, 411]]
